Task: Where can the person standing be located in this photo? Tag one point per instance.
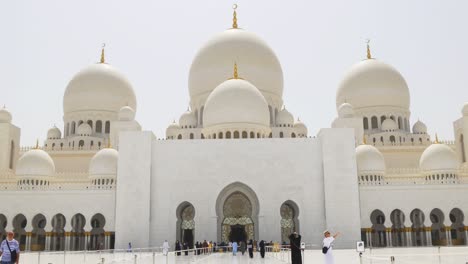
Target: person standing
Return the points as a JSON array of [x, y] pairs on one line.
[[243, 247], [165, 247], [262, 248], [129, 247], [250, 248], [234, 248], [328, 246], [295, 244], [185, 247], [9, 250], [177, 247]]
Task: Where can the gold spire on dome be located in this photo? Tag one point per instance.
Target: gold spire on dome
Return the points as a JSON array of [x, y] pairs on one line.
[[236, 74], [103, 60], [234, 16], [364, 140], [369, 56], [436, 139]]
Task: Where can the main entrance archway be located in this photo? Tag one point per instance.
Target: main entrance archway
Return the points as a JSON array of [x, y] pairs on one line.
[[237, 211]]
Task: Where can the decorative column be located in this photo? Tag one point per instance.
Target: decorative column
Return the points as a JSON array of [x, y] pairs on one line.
[[466, 235], [369, 237], [448, 235], [388, 231], [27, 246], [87, 245], [428, 230], [67, 241], [409, 239], [107, 240], [47, 241]]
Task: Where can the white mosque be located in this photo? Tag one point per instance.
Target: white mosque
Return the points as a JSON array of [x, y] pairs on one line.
[[237, 165]]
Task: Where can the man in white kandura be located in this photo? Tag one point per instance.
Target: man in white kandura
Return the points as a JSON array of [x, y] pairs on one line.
[[328, 246], [165, 247]]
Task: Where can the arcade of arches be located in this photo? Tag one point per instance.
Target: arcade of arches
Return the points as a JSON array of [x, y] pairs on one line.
[[395, 233], [57, 238]]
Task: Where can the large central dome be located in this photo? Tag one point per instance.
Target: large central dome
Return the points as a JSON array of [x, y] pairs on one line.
[[213, 65]]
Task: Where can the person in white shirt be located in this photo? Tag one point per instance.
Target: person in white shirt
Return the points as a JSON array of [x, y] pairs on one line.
[[328, 243], [165, 247]]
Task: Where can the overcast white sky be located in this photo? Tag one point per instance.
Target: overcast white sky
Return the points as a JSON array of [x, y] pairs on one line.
[[44, 43]]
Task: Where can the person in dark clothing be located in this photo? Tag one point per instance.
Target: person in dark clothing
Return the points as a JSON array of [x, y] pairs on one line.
[[295, 244], [243, 247], [262, 248], [185, 247], [250, 248], [177, 247], [197, 245]]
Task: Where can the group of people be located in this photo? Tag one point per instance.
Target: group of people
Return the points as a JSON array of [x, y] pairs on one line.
[[327, 247], [249, 246]]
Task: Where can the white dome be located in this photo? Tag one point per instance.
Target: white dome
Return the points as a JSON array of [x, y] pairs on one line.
[[236, 101], [369, 159], [35, 162], [172, 129], [300, 127], [126, 113], [372, 83], [54, 133], [188, 119], [5, 116], [465, 109], [213, 64], [284, 117], [419, 128], [439, 157], [104, 163], [98, 87], [84, 130], [389, 125], [345, 110]]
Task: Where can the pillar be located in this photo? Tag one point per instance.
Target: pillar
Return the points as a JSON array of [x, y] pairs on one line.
[[67, 240], [388, 230], [47, 241], [428, 230], [87, 244], [368, 236], [409, 238], [27, 246], [107, 240], [466, 235], [448, 235]]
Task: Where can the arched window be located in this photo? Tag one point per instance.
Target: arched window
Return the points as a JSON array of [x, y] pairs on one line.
[[244, 134], [457, 228], [179, 136], [258, 135], [252, 135], [214, 136], [392, 139], [228, 134], [191, 135], [382, 118], [77, 237], [90, 123], [293, 135], [38, 234], [99, 126], [365, 122], [236, 134], [12, 154], [397, 217], [73, 126], [289, 221], [378, 235], [374, 122], [19, 224], [438, 234], [57, 240], [97, 238], [281, 134], [220, 135], [107, 127]]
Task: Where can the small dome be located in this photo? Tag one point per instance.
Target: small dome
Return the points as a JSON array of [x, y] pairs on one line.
[[372, 83], [419, 128], [345, 111], [54, 133], [465, 109], [98, 87], [5, 116], [104, 163], [172, 129], [35, 162], [389, 125], [439, 157], [300, 128], [84, 130], [236, 101], [284, 117], [188, 120], [212, 64], [126, 113], [369, 159]]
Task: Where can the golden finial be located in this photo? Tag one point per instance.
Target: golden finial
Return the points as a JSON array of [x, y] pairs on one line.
[[369, 56], [236, 74], [102, 53], [234, 16], [364, 140], [436, 139], [37, 144]]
